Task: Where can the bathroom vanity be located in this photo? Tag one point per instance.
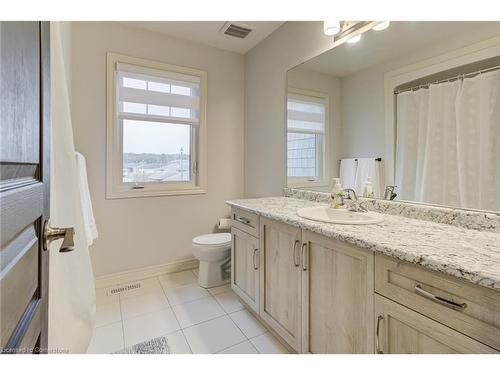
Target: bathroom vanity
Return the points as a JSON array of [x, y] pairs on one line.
[[401, 286]]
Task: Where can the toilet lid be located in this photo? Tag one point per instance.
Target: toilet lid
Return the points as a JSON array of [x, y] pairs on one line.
[[213, 239]]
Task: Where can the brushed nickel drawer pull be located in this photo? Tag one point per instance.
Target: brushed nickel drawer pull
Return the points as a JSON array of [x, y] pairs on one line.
[[255, 264], [304, 263], [295, 248], [377, 339], [243, 220], [440, 300]]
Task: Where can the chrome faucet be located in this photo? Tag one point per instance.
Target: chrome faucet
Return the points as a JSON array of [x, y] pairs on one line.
[[351, 201], [389, 193]]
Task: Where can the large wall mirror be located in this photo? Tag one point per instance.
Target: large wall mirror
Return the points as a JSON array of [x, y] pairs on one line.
[[415, 105]]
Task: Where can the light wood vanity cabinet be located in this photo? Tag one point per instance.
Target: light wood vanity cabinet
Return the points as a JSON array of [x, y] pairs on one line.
[[337, 297], [469, 309], [404, 331], [321, 295], [281, 280], [245, 267], [316, 293]]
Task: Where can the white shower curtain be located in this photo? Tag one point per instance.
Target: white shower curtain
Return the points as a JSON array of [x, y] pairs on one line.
[[71, 284], [448, 143]]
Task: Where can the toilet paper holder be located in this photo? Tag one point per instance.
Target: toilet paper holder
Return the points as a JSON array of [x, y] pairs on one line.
[[224, 224]]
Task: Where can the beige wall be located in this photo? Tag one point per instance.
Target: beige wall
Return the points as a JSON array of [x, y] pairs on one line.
[[140, 232], [326, 84], [266, 66]]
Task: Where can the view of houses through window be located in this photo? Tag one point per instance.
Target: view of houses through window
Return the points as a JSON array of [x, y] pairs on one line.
[[302, 150], [156, 152]]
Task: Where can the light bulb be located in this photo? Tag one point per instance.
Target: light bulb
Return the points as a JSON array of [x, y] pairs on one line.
[[382, 25], [331, 27], [354, 39]]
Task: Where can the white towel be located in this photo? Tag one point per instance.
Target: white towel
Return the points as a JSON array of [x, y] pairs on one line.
[[71, 280], [348, 173], [367, 167], [90, 227]]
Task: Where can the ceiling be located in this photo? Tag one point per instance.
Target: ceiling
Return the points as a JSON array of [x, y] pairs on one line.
[[208, 32], [403, 39]]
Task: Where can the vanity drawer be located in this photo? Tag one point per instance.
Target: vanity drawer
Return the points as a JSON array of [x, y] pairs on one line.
[[246, 221], [463, 306]]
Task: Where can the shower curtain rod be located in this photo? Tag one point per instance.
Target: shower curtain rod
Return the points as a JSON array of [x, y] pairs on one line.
[[460, 76]]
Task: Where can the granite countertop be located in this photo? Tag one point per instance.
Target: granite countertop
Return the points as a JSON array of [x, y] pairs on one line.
[[468, 254]]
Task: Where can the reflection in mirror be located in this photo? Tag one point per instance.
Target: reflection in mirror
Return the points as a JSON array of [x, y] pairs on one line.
[[415, 106]]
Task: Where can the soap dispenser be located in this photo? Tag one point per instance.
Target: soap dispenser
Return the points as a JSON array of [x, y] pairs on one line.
[[368, 193], [337, 200]]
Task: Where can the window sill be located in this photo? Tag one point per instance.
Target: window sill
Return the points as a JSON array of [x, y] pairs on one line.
[[143, 193]]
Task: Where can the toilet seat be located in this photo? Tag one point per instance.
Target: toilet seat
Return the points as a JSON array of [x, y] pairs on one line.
[[213, 240]]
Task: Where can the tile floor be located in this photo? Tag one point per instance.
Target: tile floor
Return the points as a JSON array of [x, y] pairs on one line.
[[194, 319]]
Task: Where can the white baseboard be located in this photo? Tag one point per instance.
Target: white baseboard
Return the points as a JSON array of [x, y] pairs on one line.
[[144, 273]]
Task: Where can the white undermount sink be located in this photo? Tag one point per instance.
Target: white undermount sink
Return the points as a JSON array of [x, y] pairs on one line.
[[338, 216]]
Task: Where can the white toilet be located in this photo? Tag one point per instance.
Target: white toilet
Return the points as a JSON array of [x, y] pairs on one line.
[[214, 253]]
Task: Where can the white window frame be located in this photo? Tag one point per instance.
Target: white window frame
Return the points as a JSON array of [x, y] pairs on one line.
[[322, 180], [115, 187]]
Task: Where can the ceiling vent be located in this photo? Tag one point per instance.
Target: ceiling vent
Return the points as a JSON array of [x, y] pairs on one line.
[[236, 30]]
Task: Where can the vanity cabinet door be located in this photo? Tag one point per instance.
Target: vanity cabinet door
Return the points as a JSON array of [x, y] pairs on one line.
[[280, 280], [245, 267], [337, 292], [400, 330]]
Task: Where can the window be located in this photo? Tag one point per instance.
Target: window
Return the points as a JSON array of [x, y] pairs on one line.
[[156, 129], [307, 114]]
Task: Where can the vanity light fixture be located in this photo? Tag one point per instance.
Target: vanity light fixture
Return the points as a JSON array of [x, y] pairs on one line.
[[331, 27], [354, 39], [382, 25]]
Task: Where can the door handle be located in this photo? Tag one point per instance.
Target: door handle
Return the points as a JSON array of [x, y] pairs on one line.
[[377, 335], [52, 234], [255, 265], [303, 256], [295, 248]]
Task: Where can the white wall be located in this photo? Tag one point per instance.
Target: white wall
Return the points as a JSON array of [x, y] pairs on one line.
[[363, 114], [265, 101], [140, 232], [326, 84]]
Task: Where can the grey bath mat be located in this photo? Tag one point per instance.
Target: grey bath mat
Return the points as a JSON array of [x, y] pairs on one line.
[[157, 345]]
